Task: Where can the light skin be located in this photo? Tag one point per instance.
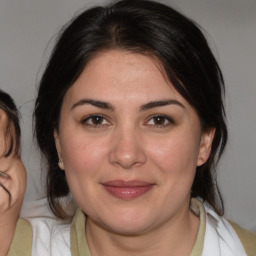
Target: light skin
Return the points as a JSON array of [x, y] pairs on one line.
[[123, 120], [13, 179]]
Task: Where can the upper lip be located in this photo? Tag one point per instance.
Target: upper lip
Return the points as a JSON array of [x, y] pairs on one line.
[[128, 183]]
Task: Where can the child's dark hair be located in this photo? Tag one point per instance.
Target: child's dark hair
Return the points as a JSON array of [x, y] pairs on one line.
[[12, 130]]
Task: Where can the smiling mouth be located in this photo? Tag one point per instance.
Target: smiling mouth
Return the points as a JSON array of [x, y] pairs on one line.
[[127, 190]]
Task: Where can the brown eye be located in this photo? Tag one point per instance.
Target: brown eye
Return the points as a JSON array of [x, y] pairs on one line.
[[95, 121], [160, 121]]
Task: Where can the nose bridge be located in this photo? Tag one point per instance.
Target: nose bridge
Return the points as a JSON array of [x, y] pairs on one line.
[[127, 149]]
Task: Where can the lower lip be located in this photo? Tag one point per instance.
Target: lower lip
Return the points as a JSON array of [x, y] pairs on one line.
[[128, 193]]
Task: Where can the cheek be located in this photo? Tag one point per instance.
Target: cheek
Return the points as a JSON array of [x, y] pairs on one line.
[[176, 155], [176, 160], [82, 156], [82, 160]]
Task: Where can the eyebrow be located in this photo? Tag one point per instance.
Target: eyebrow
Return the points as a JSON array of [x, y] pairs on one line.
[[96, 103], [161, 103], [108, 106]]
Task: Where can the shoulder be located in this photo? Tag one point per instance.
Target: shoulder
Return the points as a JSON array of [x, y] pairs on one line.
[[224, 238], [22, 241], [230, 235], [247, 238], [41, 236], [50, 235]]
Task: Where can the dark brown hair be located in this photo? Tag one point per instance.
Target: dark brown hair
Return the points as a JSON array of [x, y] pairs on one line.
[[144, 27]]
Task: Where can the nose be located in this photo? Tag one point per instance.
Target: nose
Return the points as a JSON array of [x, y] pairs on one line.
[[127, 149]]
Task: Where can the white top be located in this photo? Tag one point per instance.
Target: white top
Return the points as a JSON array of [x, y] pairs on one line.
[[220, 238], [52, 237]]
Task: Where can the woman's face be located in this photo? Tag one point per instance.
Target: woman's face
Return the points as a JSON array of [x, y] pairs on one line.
[[129, 144]]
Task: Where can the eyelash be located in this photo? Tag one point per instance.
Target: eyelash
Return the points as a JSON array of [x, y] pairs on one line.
[[167, 121]]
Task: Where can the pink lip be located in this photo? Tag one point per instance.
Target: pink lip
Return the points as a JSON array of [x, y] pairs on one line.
[[127, 190]]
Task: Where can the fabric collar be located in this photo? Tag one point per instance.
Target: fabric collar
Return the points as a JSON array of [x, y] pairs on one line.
[[215, 235]]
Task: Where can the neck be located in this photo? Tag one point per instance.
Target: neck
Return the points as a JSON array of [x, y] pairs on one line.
[[173, 237]]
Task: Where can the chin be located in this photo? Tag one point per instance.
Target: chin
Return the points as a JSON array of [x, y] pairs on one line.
[[127, 224], [128, 229]]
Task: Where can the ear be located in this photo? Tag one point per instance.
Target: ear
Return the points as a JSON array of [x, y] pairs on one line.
[[205, 146], [58, 148]]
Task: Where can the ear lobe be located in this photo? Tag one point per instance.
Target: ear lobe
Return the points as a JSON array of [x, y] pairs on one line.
[[205, 146], [58, 148]]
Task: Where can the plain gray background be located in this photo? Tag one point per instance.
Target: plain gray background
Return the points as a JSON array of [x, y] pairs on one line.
[[27, 30]]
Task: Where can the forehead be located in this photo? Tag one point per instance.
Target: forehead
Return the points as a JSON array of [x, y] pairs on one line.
[[119, 76]]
